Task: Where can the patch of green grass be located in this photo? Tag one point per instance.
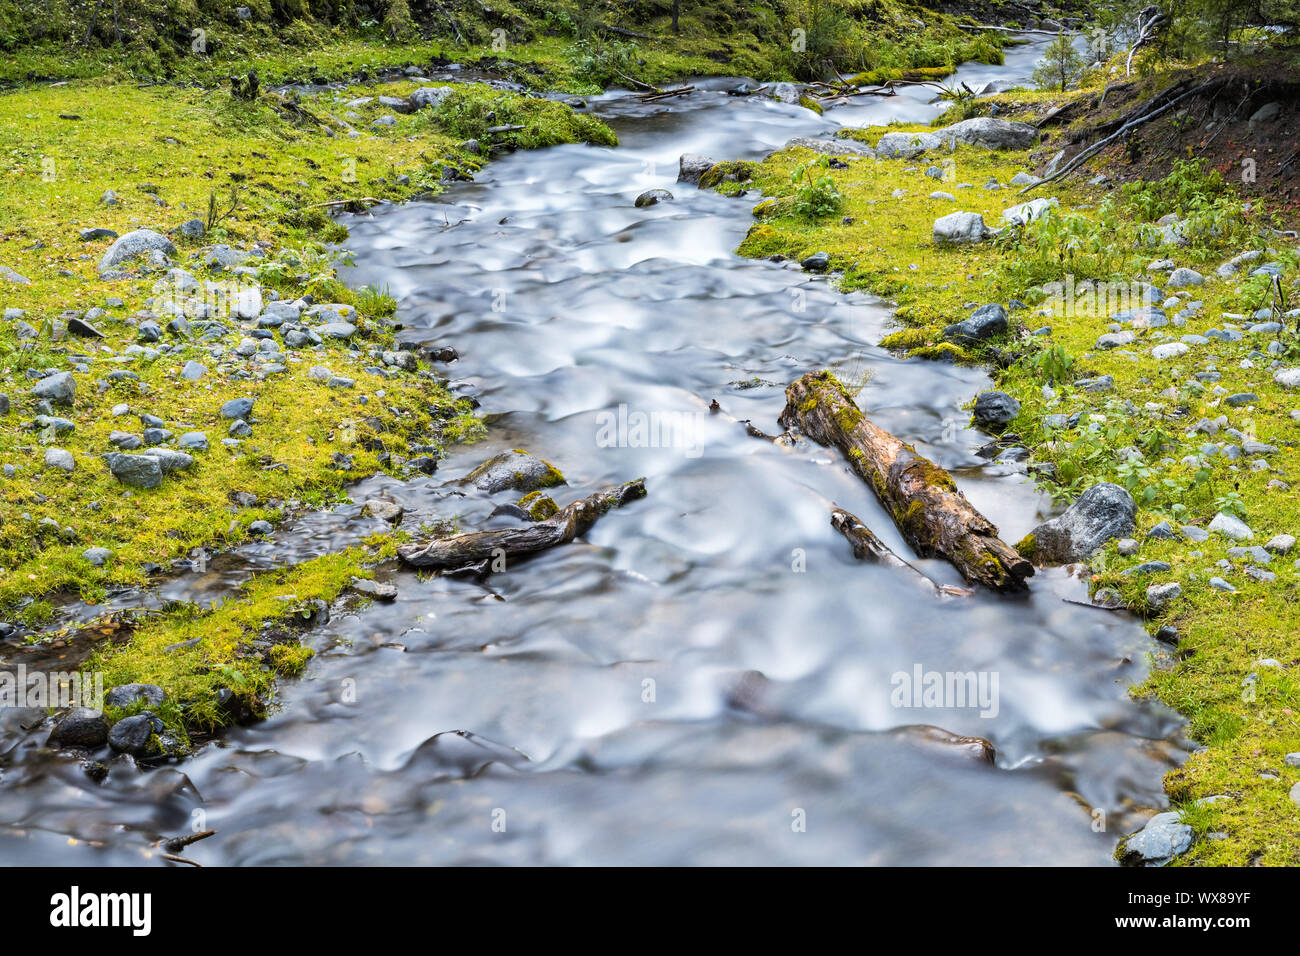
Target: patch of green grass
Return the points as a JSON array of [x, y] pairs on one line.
[[196, 150], [243, 645]]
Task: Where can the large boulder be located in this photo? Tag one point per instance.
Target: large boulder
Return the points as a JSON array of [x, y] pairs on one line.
[[133, 244], [1102, 512], [906, 145], [990, 133], [958, 228]]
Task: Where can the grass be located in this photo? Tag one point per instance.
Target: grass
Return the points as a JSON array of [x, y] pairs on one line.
[[267, 168], [242, 645], [884, 244]]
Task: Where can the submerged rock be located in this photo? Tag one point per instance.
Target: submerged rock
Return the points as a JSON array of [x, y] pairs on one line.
[[652, 197], [1102, 512]]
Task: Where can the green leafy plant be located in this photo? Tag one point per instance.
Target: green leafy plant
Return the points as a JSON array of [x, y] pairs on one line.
[[815, 192]]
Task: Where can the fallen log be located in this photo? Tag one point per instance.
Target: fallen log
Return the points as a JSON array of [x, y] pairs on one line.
[[482, 547], [933, 516], [868, 547]]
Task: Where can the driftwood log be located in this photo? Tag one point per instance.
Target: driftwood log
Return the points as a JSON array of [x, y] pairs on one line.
[[933, 516], [464, 551], [868, 547]]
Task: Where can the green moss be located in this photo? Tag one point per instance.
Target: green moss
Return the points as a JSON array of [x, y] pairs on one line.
[[808, 103], [1027, 546], [538, 505], [734, 172], [909, 338], [242, 645], [943, 352]]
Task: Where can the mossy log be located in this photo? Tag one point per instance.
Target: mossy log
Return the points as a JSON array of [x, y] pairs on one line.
[[486, 547], [933, 516], [868, 547]]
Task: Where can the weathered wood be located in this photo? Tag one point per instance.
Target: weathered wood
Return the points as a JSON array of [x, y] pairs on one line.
[[933, 516], [477, 547], [868, 547]]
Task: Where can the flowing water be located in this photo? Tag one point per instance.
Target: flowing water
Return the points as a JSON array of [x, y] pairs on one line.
[[706, 677]]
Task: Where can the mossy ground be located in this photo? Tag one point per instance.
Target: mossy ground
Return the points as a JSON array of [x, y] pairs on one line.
[[884, 244], [184, 146]]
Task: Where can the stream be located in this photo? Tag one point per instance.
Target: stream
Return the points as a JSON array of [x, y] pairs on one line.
[[706, 677]]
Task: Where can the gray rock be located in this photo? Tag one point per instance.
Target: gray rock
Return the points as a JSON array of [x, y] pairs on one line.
[[239, 408], [653, 197], [1280, 543], [195, 441], [97, 232], [168, 459], [135, 471], [127, 695], [958, 228], [906, 145], [832, 147], [1164, 837], [98, 557], [133, 244], [261, 527], [83, 727], [1102, 512], [817, 262], [61, 459], [337, 330], [1231, 526], [1182, 278], [515, 470], [378, 590], [990, 133], [193, 371], [427, 96], [1027, 212], [983, 324], [691, 166], [995, 410], [132, 735], [384, 509], [1159, 595], [59, 388], [1267, 113]]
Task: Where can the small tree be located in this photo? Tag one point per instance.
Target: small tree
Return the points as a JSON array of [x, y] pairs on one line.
[[1060, 67]]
